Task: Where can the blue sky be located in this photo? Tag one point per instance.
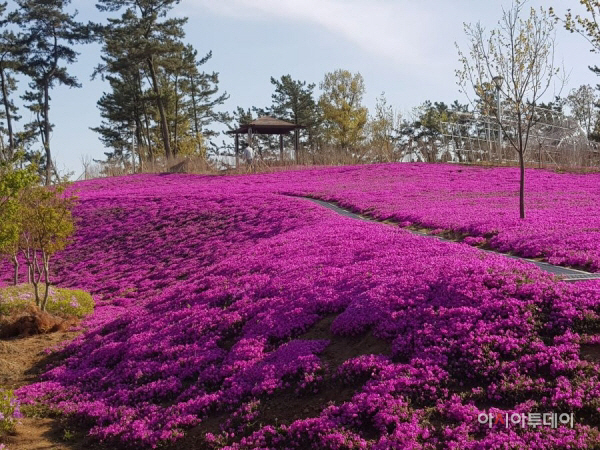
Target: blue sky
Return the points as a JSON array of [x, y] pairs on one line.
[[404, 48]]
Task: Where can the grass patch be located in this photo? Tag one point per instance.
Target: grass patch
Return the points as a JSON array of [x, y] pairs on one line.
[[9, 412], [61, 302]]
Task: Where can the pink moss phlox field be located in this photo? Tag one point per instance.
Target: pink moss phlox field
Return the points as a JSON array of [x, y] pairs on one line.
[[563, 210], [207, 289]]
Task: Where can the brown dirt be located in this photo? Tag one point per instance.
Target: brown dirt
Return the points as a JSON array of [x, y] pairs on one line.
[[33, 321], [22, 360], [591, 352]]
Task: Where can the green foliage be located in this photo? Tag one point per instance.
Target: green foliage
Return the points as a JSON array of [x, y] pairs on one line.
[[46, 217], [9, 411], [158, 91], [61, 302], [11, 61], [13, 182], [382, 130], [293, 101], [46, 225], [341, 102]]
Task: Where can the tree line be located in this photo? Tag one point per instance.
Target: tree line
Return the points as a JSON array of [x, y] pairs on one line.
[[161, 104], [158, 92]]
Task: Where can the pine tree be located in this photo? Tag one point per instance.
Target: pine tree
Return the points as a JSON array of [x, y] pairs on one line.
[[49, 35], [11, 52], [155, 40], [294, 102]]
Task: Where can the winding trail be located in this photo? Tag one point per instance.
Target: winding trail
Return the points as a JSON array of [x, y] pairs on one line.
[[566, 273]]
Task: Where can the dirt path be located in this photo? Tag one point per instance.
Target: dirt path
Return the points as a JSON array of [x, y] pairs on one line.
[[22, 360]]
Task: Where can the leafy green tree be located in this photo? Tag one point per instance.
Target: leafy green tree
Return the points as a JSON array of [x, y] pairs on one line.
[[13, 182], [46, 225], [519, 55], [344, 115]]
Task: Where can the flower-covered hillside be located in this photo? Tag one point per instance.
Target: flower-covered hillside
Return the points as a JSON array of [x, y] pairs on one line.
[[563, 210], [220, 302]]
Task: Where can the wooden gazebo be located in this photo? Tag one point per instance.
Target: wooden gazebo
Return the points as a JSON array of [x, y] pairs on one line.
[[266, 125]]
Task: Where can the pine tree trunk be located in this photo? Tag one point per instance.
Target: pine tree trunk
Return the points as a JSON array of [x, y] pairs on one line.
[[147, 122], [164, 125], [11, 139], [194, 106], [175, 127], [47, 134]]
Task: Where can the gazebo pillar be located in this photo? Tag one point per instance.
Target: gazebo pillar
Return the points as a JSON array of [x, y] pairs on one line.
[[237, 150], [250, 136], [281, 147], [296, 139]]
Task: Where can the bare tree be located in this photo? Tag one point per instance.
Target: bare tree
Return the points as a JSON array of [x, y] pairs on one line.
[[518, 58]]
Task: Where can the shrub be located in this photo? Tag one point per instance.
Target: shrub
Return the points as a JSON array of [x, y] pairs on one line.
[[9, 411]]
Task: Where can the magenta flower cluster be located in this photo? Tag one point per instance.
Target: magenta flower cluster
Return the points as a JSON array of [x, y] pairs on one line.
[[207, 289]]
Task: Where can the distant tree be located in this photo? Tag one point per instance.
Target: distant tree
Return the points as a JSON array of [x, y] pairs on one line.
[[157, 87], [382, 128], [582, 103], [344, 115], [152, 43], [49, 35], [294, 102], [11, 55], [203, 92], [521, 52], [46, 225]]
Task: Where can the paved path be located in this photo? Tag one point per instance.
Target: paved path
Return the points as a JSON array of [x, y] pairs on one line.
[[565, 273]]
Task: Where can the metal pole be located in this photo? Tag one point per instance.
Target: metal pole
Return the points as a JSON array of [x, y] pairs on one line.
[[499, 112]]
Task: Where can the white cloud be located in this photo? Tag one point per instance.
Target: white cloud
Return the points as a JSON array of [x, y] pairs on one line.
[[396, 30]]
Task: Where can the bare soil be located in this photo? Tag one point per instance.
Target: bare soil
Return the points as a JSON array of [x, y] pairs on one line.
[[23, 357], [591, 352]]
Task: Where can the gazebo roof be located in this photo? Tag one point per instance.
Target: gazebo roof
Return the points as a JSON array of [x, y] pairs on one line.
[[267, 125]]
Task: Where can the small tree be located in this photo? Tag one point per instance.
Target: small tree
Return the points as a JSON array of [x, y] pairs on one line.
[[12, 184], [519, 57], [47, 224]]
